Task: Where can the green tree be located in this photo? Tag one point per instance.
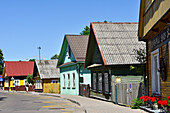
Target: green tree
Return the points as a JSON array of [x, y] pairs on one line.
[[86, 31], [141, 57], [1, 61], [31, 59], [55, 57], [29, 79]]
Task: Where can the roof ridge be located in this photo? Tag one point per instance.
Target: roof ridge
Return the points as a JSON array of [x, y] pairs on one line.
[[114, 22], [74, 35]]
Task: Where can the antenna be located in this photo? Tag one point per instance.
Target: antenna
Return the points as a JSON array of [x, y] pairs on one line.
[[39, 52]]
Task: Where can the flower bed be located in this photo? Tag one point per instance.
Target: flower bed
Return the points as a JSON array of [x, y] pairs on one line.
[[152, 103]]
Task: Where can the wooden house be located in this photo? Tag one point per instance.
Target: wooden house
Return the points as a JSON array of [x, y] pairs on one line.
[[46, 76], [71, 64], [154, 29], [110, 53], [15, 73]]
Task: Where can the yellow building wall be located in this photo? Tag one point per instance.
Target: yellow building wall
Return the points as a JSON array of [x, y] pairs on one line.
[[22, 82], [49, 87], [12, 83], [150, 14], [157, 10]]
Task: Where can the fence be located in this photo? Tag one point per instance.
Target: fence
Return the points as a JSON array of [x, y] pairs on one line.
[[124, 93], [85, 90]]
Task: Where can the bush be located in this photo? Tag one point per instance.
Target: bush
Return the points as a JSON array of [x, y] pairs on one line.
[[137, 102]]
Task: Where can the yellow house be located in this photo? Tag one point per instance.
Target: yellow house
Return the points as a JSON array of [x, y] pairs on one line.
[[46, 76], [15, 73], [154, 29]]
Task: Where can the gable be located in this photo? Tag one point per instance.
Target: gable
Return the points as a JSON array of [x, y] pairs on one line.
[[93, 55], [68, 55], [64, 56]]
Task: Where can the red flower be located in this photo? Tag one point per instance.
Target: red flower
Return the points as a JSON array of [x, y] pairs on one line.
[[159, 102], [164, 102], [141, 97], [152, 99], [157, 98], [168, 97]]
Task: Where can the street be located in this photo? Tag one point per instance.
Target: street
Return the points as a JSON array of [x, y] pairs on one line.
[[17, 102]]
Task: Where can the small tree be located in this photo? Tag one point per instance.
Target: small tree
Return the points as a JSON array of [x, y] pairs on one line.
[[141, 57], [29, 79], [1, 61], [55, 57], [86, 31]]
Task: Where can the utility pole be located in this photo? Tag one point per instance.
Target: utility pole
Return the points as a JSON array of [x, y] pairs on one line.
[[39, 52]]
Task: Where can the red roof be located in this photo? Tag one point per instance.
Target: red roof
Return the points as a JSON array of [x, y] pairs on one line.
[[19, 68]]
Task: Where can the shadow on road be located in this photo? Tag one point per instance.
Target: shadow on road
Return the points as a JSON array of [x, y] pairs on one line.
[[2, 98]]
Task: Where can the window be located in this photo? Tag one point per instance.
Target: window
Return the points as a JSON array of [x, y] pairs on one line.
[[69, 51], [169, 51], [38, 84], [68, 84], [17, 82], [64, 80], [74, 82], [100, 81], [106, 81], [155, 74], [148, 4], [94, 81], [6, 83], [55, 81], [25, 81]]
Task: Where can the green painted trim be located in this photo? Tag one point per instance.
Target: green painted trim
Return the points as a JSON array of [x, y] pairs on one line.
[[62, 52]]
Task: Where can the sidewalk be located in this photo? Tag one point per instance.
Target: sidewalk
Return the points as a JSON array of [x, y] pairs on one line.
[[91, 105]]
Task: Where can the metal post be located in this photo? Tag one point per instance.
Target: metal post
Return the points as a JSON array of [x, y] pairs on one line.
[[39, 52], [116, 92]]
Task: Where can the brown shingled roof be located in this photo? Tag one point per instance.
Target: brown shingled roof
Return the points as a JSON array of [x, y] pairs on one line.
[[78, 45]]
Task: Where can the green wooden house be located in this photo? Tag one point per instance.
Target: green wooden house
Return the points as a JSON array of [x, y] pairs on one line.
[[110, 55], [71, 64]]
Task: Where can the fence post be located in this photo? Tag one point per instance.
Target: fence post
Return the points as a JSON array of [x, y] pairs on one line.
[[116, 92]]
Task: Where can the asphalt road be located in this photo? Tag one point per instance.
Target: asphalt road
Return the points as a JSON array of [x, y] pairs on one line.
[[17, 102]]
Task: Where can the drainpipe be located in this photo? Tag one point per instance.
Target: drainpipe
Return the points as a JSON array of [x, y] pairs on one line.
[[79, 67]]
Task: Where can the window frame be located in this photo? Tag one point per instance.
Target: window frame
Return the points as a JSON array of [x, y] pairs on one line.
[[153, 81], [73, 80], [68, 80], [64, 79]]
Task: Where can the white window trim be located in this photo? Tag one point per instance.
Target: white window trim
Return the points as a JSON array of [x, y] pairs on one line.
[[169, 52], [68, 80], [73, 80], [155, 52], [18, 82], [64, 77]]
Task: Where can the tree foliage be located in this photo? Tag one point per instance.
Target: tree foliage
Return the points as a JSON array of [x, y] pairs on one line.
[[1, 61], [29, 79], [140, 57], [31, 59], [86, 31], [55, 57]]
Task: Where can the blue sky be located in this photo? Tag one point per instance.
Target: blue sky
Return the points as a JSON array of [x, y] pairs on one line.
[[27, 24]]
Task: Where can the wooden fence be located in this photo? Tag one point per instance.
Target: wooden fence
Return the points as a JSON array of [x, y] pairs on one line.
[[124, 93]]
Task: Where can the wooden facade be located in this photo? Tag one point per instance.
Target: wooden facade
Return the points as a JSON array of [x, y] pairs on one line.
[[155, 30], [110, 55], [46, 76]]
